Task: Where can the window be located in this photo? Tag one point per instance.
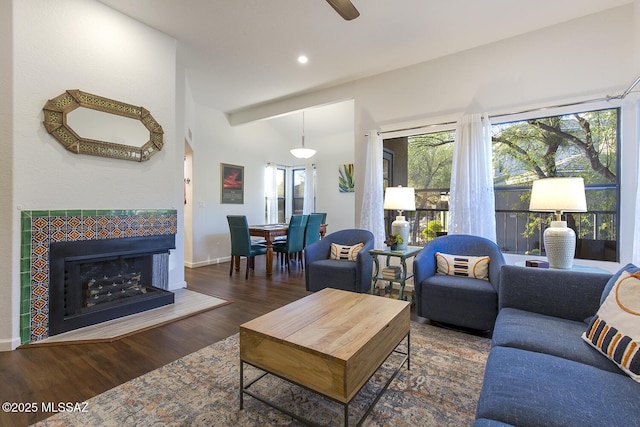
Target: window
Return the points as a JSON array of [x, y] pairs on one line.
[[298, 190], [290, 188], [275, 176], [281, 181], [581, 144], [430, 157]]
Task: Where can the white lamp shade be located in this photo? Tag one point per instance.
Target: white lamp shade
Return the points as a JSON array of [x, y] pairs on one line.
[[400, 198], [558, 195], [303, 153]]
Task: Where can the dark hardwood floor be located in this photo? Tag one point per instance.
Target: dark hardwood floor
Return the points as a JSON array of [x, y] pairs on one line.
[[77, 372]]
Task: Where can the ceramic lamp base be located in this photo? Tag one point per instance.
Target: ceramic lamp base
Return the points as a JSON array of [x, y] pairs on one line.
[[401, 227], [560, 245]]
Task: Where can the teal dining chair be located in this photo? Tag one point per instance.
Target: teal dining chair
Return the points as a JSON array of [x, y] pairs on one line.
[[241, 245], [312, 230], [294, 244]]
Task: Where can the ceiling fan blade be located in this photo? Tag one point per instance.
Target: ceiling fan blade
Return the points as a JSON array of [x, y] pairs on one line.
[[345, 8]]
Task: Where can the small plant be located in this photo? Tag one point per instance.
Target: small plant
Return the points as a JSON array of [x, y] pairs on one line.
[[393, 240]]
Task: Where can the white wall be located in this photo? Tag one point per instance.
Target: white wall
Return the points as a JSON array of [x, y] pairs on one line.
[[334, 151], [582, 59], [9, 272], [79, 44]]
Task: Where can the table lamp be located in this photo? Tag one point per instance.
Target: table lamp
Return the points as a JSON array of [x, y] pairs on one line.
[[401, 199], [559, 195]]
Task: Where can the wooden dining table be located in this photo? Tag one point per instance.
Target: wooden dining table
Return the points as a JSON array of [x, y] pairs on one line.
[[270, 232]]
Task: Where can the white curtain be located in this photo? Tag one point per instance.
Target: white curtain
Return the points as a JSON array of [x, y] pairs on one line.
[[636, 231], [636, 227], [308, 203], [472, 200], [271, 193], [372, 213]]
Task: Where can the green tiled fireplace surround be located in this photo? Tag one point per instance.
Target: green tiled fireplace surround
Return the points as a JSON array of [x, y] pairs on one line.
[[39, 228]]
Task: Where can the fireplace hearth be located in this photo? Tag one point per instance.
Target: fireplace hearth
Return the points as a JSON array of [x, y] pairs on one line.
[[93, 281]]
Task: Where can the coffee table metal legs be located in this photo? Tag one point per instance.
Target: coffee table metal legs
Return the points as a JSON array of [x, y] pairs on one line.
[[244, 388]]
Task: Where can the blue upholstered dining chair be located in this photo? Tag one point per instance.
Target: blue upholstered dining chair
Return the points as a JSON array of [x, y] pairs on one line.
[[455, 299], [294, 244], [241, 245], [312, 230], [323, 272]]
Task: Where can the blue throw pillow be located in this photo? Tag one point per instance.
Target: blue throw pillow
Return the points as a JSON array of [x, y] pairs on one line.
[[630, 268]]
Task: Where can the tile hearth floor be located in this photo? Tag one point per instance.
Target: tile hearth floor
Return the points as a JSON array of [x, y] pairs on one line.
[[187, 303]]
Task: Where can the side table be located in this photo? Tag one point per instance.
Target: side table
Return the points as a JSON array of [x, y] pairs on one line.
[[410, 252]]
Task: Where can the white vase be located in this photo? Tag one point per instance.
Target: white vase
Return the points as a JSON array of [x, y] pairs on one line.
[[401, 227], [560, 245]]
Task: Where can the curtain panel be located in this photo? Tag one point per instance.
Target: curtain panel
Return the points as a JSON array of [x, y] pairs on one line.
[[372, 213], [636, 227], [308, 205], [271, 193], [472, 200]]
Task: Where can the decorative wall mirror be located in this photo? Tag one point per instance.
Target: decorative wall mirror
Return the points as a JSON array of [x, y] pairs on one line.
[[56, 121]]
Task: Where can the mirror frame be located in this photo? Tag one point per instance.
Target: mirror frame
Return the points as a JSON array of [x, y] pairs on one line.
[[55, 121]]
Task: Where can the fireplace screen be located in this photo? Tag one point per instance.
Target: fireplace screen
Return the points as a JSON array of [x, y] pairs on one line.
[[109, 282]]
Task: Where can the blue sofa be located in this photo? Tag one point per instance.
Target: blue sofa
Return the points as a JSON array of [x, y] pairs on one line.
[[540, 372]]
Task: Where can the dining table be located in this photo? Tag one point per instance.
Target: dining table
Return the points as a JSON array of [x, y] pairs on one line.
[[269, 232]]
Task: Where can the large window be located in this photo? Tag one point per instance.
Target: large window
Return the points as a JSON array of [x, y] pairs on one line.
[[583, 144], [290, 186]]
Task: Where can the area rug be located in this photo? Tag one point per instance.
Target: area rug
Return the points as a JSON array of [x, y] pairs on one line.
[[202, 389]]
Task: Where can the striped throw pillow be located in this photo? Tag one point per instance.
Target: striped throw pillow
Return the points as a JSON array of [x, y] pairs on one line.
[[348, 253], [462, 265], [615, 329]]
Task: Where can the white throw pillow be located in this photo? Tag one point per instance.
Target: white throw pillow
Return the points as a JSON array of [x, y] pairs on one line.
[[348, 253], [461, 265], [615, 329]]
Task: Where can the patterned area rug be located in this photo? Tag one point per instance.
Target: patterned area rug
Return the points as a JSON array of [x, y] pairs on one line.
[[202, 389]]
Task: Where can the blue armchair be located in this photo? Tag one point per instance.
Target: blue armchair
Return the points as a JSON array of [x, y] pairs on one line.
[[323, 272], [459, 301]]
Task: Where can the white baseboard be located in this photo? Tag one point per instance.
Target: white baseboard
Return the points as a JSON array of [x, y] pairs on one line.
[[207, 262], [9, 344], [179, 285]]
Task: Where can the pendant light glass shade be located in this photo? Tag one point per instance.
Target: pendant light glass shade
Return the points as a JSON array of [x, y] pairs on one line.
[[303, 153]]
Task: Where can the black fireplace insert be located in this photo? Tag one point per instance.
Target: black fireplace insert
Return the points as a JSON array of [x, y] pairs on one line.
[[92, 281]]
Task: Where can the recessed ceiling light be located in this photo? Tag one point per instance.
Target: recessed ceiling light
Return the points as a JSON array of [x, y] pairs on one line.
[[303, 59]]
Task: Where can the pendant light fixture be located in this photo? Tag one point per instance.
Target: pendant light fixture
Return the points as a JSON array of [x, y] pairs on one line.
[[303, 153]]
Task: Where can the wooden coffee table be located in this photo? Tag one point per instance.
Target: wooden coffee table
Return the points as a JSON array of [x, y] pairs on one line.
[[330, 342]]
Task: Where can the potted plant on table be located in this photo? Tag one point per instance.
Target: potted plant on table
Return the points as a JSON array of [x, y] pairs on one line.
[[393, 241]]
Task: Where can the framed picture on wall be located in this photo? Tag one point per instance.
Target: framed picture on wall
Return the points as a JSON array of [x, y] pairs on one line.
[[231, 184], [346, 182]]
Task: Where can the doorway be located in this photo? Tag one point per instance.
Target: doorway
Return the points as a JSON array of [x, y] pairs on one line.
[[188, 204]]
